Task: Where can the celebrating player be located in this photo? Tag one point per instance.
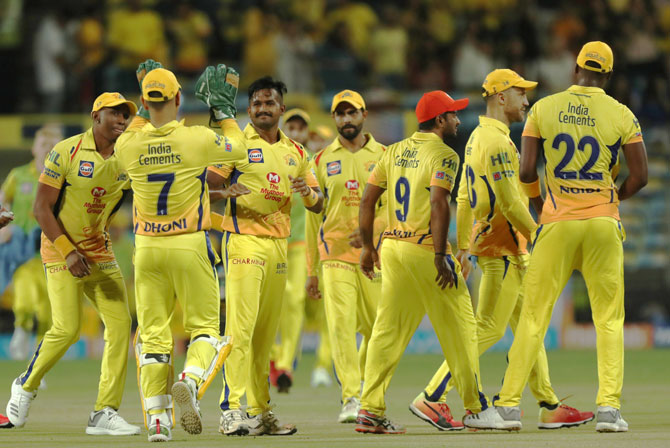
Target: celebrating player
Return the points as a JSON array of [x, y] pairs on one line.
[[30, 288], [579, 133], [256, 227], [80, 189], [342, 168], [489, 193], [419, 172], [167, 165]]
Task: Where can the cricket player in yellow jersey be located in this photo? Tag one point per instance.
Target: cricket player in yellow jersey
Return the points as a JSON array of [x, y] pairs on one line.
[[256, 226], [342, 168], [167, 165], [419, 173], [30, 288], [489, 193], [81, 187], [285, 353], [579, 133]]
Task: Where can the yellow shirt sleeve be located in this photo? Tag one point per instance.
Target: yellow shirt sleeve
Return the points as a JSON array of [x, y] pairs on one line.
[[378, 176], [464, 215], [443, 171], [137, 123], [227, 149], [504, 182], [56, 166], [531, 129], [312, 224], [632, 133], [8, 188]]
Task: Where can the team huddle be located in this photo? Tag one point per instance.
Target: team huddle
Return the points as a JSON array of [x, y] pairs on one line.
[[377, 251]]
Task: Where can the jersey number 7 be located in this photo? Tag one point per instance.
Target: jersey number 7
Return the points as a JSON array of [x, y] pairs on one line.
[[168, 178]]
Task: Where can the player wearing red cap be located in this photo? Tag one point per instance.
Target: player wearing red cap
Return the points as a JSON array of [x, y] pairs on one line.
[[419, 173]]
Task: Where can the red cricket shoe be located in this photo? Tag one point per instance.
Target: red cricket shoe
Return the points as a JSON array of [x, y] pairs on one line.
[[284, 381], [274, 373], [5, 423], [437, 414], [367, 422], [561, 417]]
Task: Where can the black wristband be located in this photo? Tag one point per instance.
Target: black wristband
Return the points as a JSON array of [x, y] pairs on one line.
[[441, 253]]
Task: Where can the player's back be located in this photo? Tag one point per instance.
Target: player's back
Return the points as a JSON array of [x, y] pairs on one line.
[[582, 130], [167, 168]]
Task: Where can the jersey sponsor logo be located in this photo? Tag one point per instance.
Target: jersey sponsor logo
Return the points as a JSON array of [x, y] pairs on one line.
[[440, 175], [351, 185], [500, 158], [55, 269], [290, 161], [86, 169], [255, 155], [54, 156], [98, 192], [498, 175], [217, 140], [333, 168], [369, 166], [51, 173], [273, 178], [252, 261], [450, 164]]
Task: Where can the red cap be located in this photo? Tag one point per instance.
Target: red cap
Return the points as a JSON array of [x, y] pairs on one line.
[[436, 103]]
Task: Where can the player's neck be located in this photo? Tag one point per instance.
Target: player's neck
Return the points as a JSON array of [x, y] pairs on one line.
[[271, 135], [104, 146], [354, 145], [497, 114], [159, 119]]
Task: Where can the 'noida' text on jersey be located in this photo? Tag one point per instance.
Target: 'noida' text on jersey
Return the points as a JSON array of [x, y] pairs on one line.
[[407, 170], [582, 131]]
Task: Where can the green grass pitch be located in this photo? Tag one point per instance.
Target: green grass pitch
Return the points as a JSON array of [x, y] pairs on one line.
[[59, 414]]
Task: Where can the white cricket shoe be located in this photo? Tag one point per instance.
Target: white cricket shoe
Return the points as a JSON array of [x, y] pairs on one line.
[[235, 422], [184, 393], [108, 422], [349, 410], [493, 417], [610, 420], [19, 344], [19, 404], [267, 424], [159, 429], [320, 377]]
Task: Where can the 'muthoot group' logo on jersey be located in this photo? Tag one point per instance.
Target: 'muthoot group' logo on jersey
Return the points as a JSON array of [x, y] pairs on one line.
[[98, 192], [86, 168], [334, 168], [351, 185], [255, 155], [273, 178]]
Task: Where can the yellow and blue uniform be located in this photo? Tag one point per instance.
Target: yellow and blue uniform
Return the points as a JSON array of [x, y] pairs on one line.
[[408, 170], [30, 287], [489, 194], [350, 298], [91, 191], [173, 257], [582, 131], [256, 227]]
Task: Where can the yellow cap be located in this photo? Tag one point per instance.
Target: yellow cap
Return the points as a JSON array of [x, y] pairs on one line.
[[596, 56], [161, 81], [297, 112], [348, 96], [502, 79], [112, 99]]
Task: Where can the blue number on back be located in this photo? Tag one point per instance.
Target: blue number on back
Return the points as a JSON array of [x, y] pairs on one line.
[[168, 178], [402, 196], [470, 180], [569, 154], [584, 173], [595, 153]]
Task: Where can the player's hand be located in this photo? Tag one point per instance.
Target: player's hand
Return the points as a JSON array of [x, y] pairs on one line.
[[77, 264], [445, 275], [217, 88], [463, 257], [5, 217], [142, 70], [355, 239], [369, 260], [312, 287], [298, 185], [235, 191]]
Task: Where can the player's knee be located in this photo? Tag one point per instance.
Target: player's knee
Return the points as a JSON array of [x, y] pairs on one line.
[[67, 334]]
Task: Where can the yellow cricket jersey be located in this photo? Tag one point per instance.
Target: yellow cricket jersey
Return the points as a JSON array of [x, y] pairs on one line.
[[168, 169], [407, 170], [489, 193], [342, 175], [264, 169], [582, 130], [91, 191]]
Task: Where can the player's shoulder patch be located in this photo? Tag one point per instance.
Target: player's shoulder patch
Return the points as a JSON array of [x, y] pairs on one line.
[[299, 147], [318, 155]]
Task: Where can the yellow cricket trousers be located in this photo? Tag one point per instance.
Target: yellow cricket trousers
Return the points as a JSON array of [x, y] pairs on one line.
[[500, 299], [594, 247], [105, 289], [255, 282], [180, 267], [31, 298], [350, 300], [409, 291]]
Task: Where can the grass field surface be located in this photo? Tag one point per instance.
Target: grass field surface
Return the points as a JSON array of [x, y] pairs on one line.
[[59, 414]]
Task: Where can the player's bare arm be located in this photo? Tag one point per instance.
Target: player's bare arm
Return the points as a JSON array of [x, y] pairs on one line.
[[366, 220], [217, 190], [636, 159], [312, 287], [299, 186], [439, 226], [43, 209], [530, 150]]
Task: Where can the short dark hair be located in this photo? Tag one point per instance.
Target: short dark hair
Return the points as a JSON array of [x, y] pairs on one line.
[[430, 124], [267, 82]]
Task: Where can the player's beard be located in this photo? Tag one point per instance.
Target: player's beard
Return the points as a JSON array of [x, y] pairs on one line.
[[350, 131], [264, 124]]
